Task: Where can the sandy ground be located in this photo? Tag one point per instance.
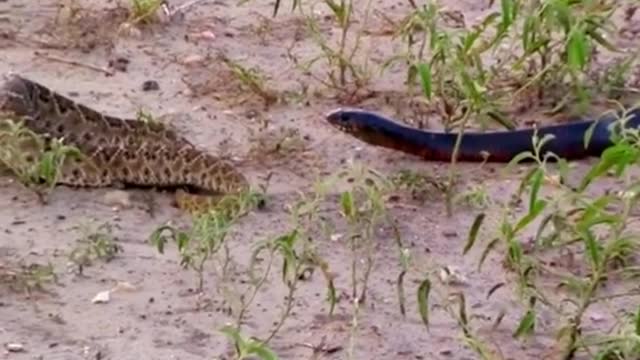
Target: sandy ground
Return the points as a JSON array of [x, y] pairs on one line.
[[162, 318]]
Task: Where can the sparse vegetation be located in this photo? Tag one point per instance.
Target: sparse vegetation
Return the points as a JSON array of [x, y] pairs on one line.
[[27, 277], [346, 67], [593, 228], [566, 246], [35, 160], [144, 11], [95, 244], [252, 79]]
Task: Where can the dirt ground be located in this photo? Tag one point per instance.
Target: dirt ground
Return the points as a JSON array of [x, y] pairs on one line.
[[161, 317]]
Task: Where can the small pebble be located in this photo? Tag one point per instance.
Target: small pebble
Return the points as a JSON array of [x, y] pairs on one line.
[[129, 30], [14, 347], [150, 85], [118, 198], [193, 59], [102, 297], [119, 63], [449, 233]]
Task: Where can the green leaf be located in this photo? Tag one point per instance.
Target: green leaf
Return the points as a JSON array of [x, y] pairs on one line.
[[501, 119], [536, 182], [285, 245], [529, 34], [182, 240], [507, 7], [637, 322], [400, 289], [472, 89], [425, 79], [486, 251], [543, 224], [562, 14], [158, 240], [347, 204], [473, 233], [248, 347], [412, 72], [423, 301], [260, 350], [619, 155], [527, 324], [499, 35], [521, 157], [577, 50], [535, 210], [602, 41], [462, 312], [515, 252], [589, 133], [592, 248]]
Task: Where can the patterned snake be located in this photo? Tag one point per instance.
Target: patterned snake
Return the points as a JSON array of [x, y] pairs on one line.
[[120, 152], [500, 146]]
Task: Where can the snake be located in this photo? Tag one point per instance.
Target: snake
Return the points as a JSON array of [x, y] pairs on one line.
[[120, 152], [567, 141]]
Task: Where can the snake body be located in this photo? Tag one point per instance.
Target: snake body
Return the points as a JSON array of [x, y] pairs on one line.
[[119, 152], [501, 146]]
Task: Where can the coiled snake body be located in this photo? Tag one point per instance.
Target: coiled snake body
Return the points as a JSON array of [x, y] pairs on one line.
[[120, 151], [500, 146]]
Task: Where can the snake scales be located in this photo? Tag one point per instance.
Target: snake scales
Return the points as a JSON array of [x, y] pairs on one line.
[[120, 152]]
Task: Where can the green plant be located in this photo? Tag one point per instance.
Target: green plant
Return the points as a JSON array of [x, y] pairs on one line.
[[144, 11], [252, 79], [201, 243], [207, 240], [248, 347], [475, 196], [526, 49], [35, 160], [362, 208], [595, 228], [27, 277], [95, 244], [346, 71], [420, 185], [207, 236]]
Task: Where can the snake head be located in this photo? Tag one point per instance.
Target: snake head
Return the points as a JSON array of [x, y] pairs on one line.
[[368, 126], [15, 92], [351, 121]]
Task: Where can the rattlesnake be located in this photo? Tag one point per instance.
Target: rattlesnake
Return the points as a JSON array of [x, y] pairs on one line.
[[119, 152]]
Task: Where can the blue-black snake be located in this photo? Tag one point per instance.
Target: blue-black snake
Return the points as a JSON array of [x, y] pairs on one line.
[[500, 146]]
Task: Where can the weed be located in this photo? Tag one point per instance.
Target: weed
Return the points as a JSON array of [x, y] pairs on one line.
[[207, 240], [35, 160], [27, 278], [527, 53], [362, 207], [345, 71], [95, 244], [281, 142], [248, 347], [199, 244], [144, 11], [599, 225], [252, 79], [476, 196], [419, 185], [146, 117], [550, 47]]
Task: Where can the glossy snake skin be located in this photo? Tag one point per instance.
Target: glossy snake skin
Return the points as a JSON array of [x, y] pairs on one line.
[[499, 146]]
